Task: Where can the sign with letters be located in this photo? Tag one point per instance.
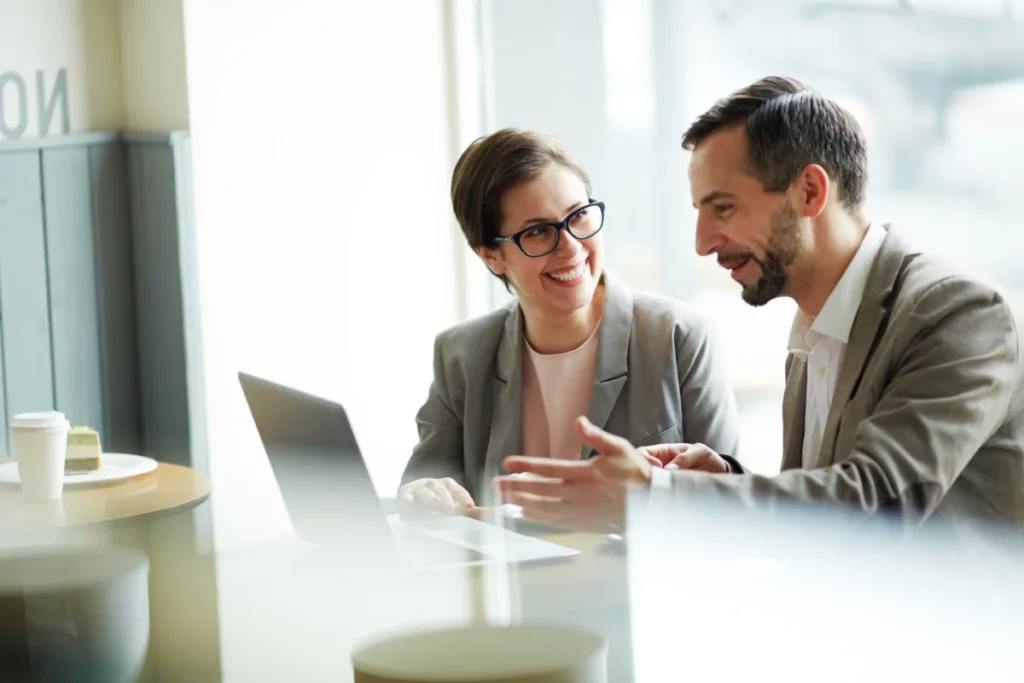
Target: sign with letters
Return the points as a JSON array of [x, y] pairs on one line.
[[41, 96]]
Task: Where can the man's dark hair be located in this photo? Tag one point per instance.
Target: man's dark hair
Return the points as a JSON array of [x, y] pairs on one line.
[[788, 127]]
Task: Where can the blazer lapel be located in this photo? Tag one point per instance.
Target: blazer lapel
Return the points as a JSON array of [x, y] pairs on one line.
[[794, 407], [612, 367], [870, 321], [506, 434]]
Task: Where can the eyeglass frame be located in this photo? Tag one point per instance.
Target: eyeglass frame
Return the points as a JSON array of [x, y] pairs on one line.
[[559, 226]]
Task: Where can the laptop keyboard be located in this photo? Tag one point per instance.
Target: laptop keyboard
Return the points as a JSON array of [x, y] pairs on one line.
[[423, 550]]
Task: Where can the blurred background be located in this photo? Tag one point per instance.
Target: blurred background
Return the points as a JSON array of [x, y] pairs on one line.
[[329, 256], [937, 87], [208, 186], [300, 226]]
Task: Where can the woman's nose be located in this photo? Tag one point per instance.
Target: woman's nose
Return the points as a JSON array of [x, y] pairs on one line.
[[567, 244]]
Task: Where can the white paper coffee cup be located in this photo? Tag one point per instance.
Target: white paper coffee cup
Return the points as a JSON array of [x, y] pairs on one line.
[[40, 443]]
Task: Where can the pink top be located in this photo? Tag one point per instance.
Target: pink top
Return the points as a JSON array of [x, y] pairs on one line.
[[556, 390]]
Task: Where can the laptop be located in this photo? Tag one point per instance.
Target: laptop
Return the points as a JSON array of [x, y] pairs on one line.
[[332, 502]]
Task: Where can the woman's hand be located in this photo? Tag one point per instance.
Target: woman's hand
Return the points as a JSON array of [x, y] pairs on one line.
[[443, 496]]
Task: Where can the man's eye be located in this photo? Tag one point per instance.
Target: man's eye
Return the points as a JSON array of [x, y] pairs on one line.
[[723, 209]]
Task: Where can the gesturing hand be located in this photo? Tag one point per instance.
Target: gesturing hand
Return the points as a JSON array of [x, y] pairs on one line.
[[585, 495]]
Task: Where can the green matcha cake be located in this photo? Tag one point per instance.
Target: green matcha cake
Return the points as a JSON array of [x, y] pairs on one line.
[[83, 450]]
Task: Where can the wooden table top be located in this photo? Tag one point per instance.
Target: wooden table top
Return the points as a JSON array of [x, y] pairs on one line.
[[167, 489]]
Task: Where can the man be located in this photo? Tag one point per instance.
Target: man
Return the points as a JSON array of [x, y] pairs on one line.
[[904, 383]]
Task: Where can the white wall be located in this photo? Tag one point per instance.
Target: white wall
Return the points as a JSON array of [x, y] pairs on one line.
[[78, 35], [125, 62], [321, 166], [153, 65]]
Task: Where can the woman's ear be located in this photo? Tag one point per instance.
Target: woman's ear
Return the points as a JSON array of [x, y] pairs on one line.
[[492, 259]]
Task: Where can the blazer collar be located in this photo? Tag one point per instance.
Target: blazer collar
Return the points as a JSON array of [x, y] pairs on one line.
[[867, 327], [886, 270], [613, 335], [505, 436], [610, 371], [616, 326], [794, 407], [510, 349], [612, 367]]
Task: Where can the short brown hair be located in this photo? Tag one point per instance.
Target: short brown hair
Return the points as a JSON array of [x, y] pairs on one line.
[[789, 126], [491, 166]]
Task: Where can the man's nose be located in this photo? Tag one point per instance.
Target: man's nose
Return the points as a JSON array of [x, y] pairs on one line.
[[708, 238]]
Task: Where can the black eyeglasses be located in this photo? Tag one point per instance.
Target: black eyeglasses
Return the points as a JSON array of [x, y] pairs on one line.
[[543, 238]]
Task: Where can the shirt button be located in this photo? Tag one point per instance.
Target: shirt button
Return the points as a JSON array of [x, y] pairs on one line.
[[821, 372]]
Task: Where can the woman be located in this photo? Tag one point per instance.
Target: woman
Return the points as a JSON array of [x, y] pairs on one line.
[[576, 341]]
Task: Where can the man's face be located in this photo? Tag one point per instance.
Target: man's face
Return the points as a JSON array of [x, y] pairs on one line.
[[755, 234]]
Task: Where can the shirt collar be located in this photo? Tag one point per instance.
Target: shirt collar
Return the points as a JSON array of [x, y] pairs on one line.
[[836, 317]]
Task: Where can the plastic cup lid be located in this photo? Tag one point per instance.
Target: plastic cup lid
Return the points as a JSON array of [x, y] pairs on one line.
[[47, 419]]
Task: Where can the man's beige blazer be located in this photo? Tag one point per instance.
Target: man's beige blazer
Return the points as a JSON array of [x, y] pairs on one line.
[[926, 421]]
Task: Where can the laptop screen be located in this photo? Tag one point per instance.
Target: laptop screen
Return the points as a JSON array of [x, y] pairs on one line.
[[323, 479]]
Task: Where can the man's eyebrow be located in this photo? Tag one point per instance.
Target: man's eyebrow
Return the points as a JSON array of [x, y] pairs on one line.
[[532, 221], [713, 196]]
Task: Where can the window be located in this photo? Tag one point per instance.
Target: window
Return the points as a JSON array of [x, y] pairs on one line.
[[938, 87]]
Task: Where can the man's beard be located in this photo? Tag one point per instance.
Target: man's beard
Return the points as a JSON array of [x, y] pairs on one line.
[[783, 247]]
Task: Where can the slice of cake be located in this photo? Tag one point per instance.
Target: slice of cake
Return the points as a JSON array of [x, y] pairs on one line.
[[83, 450]]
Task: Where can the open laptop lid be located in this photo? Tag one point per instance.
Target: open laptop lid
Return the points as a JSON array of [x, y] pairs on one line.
[[323, 478]]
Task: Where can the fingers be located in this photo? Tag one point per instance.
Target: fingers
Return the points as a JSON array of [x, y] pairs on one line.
[[651, 460], [700, 458], [483, 514], [567, 470], [540, 508], [444, 501], [445, 496], [526, 499], [548, 488], [683, 456], [666, 452], [558, 513], [460, 495], [600, 440], [406, 500], [415, 499]]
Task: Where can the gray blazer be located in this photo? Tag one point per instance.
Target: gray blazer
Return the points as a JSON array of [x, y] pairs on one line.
[[926, 421], [658, 379]]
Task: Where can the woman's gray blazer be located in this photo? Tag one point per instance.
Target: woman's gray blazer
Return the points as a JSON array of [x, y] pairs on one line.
[[658, 379]]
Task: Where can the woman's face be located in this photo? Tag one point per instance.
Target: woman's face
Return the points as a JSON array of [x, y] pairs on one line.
[[564, 280]]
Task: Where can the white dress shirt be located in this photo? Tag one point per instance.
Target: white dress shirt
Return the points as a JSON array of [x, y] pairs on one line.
[[821, 341]]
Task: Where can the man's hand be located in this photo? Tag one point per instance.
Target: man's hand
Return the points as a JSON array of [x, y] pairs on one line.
[[650, 456], [585, 495], [443, 496], [684, 456]]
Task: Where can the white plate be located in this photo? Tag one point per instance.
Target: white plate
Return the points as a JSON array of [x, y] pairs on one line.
[[113, 467]]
